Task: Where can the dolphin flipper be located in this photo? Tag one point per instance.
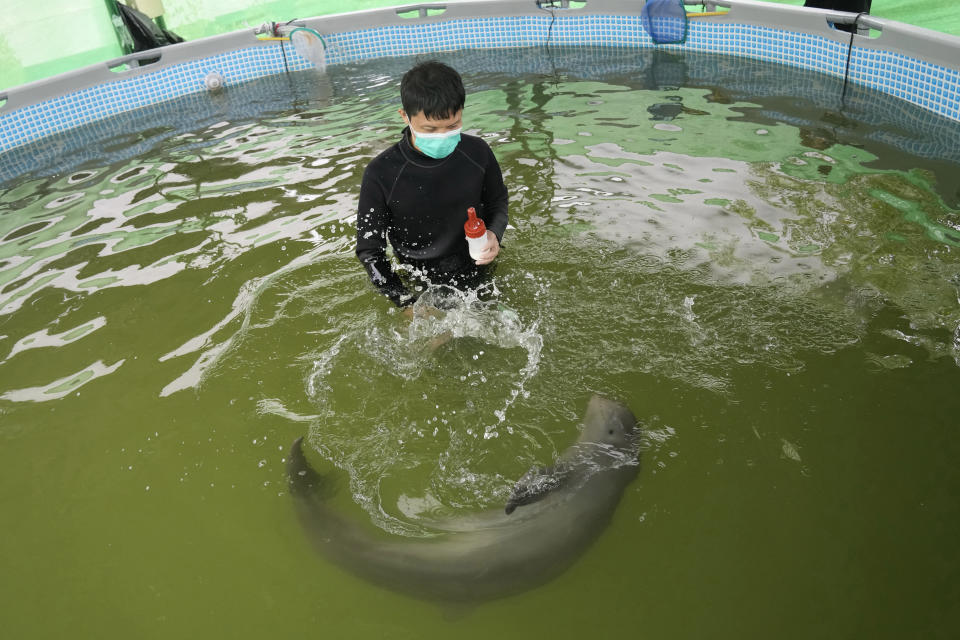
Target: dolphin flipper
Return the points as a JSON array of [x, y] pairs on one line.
[[535, 485]]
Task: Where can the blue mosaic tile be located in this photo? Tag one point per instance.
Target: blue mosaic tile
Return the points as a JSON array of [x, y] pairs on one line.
[[81, 107], [924, 84], [888, 120]]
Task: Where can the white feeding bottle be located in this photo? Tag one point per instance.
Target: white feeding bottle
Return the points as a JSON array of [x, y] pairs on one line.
[[476, 232]]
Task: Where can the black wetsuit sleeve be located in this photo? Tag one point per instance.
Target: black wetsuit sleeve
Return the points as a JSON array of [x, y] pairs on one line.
[[372, 224], [494, 197]]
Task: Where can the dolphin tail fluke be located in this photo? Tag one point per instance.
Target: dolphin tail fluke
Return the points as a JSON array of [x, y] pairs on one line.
[[303, 479], [338, 537]]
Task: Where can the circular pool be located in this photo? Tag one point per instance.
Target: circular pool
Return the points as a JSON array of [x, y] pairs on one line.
[[764, 272]]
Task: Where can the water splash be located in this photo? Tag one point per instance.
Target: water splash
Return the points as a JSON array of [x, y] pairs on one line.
[[444, 313], [390, 417]]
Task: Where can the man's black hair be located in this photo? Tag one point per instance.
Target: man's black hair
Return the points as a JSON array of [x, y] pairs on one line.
[[433, 88]]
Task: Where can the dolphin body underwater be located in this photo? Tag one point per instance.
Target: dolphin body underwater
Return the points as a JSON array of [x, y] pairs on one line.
[[552, 517]]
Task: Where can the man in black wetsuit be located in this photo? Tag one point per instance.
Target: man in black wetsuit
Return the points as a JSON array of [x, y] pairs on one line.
[[417, 192]]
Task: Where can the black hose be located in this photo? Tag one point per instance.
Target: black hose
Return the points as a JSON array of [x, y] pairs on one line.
[[846, 72], [548, 5]]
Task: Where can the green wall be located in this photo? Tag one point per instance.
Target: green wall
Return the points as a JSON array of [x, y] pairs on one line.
[[42, 39], [938, 15], [193, 19]]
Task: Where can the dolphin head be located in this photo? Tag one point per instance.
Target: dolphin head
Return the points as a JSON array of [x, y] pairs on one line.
[[608, 422]]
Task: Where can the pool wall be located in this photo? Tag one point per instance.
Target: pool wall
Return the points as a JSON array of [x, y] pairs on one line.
[[915, 65]]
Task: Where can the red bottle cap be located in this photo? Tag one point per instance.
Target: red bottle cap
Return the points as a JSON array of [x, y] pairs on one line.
[[474, 227]]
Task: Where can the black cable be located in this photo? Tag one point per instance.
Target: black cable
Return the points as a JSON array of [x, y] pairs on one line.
[[846, 72], [549, 5], [276, 33], [283, 50]]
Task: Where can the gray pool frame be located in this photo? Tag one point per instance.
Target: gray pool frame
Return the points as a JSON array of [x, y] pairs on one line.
[[915, 65]]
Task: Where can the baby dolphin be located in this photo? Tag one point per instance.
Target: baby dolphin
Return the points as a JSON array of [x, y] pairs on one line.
[[491, 554]]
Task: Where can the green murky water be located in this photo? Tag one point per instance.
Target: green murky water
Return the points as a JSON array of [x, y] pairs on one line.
[[768, 283]]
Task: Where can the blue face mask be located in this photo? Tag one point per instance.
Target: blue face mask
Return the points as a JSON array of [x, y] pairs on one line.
[[437, 145]]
